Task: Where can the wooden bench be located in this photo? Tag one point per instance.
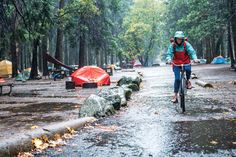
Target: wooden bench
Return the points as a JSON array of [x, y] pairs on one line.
[[6, 84]]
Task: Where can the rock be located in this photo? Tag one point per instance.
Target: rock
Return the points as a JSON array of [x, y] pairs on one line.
[[133, 86], [110, 95], [129, 80], [121, 92], [96, 106], [127, 91], [117, 96]]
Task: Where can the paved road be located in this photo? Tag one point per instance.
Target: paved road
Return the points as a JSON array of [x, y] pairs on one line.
[[153, 126]]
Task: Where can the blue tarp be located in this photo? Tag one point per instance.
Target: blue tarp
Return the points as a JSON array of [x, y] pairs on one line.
[[219, 60]]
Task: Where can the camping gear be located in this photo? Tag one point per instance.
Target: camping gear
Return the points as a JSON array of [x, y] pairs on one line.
[[2, 80], [24, 75], [70, 85], [90, 74], [219, 60], [137, 63], [5, 68]]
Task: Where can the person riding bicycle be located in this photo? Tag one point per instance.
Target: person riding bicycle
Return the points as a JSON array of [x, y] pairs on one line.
[[180, 52]]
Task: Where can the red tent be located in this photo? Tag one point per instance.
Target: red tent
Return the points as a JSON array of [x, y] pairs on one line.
[[90, 74]]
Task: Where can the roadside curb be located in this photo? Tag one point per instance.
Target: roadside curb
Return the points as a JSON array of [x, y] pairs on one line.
[[15, 144]]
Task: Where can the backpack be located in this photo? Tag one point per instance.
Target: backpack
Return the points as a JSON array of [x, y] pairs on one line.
[[172, 41]]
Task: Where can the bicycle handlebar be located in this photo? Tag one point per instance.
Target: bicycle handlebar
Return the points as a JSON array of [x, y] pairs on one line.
[[180, 65]]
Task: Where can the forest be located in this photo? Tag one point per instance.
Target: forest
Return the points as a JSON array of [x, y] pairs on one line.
[[100, 32]]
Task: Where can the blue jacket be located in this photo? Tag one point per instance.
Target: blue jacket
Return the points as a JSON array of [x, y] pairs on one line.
[[190, 50]]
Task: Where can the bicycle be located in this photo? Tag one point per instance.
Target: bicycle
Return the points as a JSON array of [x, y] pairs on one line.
[[183, 85]]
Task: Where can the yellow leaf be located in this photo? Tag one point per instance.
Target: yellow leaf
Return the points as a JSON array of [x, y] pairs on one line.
[[108, 128], [34, 127], [25, 154], [57, 137], [214, 142], [37, 142], [59, 150], [44, 138], [67, 136], [70, 130]]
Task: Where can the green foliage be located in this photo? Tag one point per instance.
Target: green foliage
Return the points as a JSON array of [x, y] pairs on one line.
[[198, 18], [143, 28]]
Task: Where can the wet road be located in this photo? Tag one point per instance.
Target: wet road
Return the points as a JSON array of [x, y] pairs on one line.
[[153, 126]]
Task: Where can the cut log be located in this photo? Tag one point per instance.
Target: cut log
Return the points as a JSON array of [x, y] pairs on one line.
[[204, 84]]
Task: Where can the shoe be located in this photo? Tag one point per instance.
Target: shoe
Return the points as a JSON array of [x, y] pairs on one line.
[[175, 100], [189, 85]]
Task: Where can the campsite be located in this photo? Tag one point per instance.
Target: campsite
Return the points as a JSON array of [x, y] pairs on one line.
[[104, 78]]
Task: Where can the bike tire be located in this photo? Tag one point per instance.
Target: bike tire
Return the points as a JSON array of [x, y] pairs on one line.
[[182, 94], [182, 102]]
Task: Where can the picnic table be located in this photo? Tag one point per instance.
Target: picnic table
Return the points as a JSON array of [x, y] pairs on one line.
[[10, 85]]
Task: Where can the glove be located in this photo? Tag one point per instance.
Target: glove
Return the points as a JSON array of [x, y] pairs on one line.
[[168, 62]]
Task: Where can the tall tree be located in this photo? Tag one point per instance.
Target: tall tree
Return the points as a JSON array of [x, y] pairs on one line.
[[59, 44]]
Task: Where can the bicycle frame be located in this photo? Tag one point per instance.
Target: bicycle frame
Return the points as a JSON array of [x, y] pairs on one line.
[[182, 88]]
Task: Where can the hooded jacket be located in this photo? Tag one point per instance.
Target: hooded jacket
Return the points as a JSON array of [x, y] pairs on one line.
[[180, 56]]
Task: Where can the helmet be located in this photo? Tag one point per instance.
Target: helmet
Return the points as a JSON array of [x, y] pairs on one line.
[[179, 34]]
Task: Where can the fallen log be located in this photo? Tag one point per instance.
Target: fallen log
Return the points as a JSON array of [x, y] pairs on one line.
[[204, 84]]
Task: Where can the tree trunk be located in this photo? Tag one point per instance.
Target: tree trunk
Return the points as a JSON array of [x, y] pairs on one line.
[[112, 58], [98, 59], [13, 55], [82, 50], [208, 50], [40, 58], [233, 24], [66, 54], [218, 44], [44, 51], [34, 65], [102, 58], [58, 53]]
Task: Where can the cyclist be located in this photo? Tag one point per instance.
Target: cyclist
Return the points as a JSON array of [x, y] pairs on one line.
[[180, 52]]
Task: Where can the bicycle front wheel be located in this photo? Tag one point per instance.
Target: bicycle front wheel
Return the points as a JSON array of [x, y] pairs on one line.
[[182, 101], [182, 94]]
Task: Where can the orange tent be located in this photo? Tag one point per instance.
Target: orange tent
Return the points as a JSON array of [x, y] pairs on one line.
[[90, 74]]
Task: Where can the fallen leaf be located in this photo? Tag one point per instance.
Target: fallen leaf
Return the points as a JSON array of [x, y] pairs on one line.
[[44, 138], [214, 142], [34, 127], [59, 150], [234, 143], [37, 143], [44, 146], [107, 128], [70, 130], [53, 144], [57, 137], [25, 154], [67, 136]]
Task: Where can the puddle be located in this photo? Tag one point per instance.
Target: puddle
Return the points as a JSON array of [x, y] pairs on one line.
[[42, 107], [24, 94], [205, 136]]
